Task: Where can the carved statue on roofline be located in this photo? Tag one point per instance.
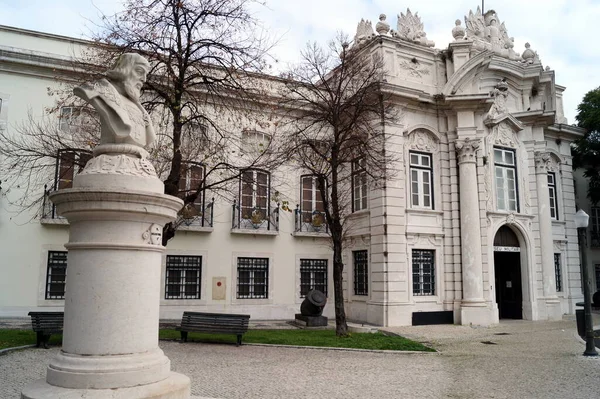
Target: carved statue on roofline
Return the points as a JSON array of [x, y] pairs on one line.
[[487, 33], [364, 31], [500, 94], [411, 29]]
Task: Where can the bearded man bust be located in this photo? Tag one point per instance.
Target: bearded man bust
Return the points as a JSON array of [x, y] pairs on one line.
[[117, 101]]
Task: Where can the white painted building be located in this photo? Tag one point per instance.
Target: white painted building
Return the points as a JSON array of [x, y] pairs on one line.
[[476, 225]]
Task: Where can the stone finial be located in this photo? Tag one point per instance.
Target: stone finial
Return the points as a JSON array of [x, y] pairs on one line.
[[382, 26], [458, 32], [528, 55], [411, 29]]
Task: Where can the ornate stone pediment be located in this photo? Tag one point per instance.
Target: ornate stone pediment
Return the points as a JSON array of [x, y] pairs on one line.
[[422, 140], [506, 119]]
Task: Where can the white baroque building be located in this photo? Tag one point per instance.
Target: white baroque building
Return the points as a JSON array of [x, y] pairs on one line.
[[477, 224]]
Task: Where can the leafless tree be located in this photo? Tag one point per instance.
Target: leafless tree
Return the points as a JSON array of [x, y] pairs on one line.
[[205, 56], [337, 113]]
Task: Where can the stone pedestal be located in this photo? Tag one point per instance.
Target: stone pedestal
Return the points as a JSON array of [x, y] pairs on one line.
[[110, 341], [311, 321]]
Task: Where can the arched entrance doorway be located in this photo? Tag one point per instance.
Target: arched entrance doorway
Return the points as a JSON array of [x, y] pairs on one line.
[[507, 270]]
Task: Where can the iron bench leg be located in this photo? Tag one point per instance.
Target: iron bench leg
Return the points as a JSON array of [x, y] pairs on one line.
[[184, 335], [239, 340], [39, 338]]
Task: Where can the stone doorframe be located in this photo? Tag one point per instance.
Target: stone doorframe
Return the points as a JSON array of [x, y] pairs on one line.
[[527, 261]]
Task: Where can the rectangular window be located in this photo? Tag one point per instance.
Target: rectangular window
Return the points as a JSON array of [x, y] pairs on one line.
[[69, 164], [553, 197], [67, 118], [254, 142], [183, 277], [253, 278], [254, 193], [423, 264], [595, 227], [359, 185], [558, 272], [192, 178], [597, 269], [506, 180], [421, 179], [361, 272], [313, 275], [56, 275]]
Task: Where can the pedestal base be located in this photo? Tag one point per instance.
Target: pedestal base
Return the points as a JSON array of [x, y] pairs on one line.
[[481, 315], [311, 321], [176, 386], [554, 309]]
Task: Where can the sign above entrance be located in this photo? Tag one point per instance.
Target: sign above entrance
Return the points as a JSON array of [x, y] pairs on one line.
[[507, 249]]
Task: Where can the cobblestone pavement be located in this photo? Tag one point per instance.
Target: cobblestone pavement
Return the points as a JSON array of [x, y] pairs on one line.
[[520, 359]]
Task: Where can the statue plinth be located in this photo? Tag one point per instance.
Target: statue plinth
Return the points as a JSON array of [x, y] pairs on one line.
[[116, 212]]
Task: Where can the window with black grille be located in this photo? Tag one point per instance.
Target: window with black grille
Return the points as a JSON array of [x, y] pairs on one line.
[[56, 275], [313, 275], [558, 272], [253, 278], [361, 272], [423, 263], [183, 277]]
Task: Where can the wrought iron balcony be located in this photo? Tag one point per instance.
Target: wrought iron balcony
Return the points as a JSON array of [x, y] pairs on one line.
[[195, 215], [255, 218], [48, 208], [310, 221]]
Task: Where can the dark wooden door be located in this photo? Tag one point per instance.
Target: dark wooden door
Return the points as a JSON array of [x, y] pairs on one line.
[[509, 294]]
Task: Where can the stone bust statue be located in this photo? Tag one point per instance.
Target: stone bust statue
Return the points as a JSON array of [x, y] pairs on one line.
[[116, 98]]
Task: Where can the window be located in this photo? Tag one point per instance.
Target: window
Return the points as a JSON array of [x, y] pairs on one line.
[[423, 263], [553, 198], [558, 272], [69, 163], [254, 142], [421, 173], [67, 118], [595, 224], [361, 272], [56, 275], [597, 269], [359, 185], [253, 278], [506, 179], [192, 177], [313, 275], [254, 193], [183, 276]]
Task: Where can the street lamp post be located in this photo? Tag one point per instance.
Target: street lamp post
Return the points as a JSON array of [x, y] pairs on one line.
[[581, 222]]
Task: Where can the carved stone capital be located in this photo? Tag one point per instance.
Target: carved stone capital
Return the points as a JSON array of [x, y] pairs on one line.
[[466, 150], [542, 162]]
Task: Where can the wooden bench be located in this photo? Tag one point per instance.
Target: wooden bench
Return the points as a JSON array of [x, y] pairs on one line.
[[45, 324], [214, 323]]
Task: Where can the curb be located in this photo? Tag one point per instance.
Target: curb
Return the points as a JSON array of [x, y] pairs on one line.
[[15, 348], [333, 348]]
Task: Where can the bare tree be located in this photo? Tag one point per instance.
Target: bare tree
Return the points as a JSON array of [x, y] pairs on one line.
[[338, 110], [204, 55]]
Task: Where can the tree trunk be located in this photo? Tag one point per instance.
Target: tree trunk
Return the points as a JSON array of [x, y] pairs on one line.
[[341, 328]]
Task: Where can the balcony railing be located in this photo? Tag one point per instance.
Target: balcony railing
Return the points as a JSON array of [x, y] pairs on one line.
[[255, 218], [48, 208], [310, 221], [192, 216]]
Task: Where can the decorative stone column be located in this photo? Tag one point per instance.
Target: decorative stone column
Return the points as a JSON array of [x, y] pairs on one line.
[[474, 309], [116, 212], [542, 164]]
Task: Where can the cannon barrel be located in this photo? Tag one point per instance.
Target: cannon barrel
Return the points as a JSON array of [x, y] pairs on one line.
[[313, 304]]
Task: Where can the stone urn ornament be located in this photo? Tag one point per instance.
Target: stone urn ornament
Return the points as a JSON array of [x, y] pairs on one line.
[[382, 27], [458, 32]]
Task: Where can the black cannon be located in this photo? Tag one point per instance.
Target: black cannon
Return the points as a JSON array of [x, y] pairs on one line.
[[311, 310]]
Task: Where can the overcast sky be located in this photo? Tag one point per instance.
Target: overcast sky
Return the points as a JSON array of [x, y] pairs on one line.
[[563, 32]]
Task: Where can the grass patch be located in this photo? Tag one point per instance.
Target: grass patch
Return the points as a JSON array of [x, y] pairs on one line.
[[10, 338], [308, 338]]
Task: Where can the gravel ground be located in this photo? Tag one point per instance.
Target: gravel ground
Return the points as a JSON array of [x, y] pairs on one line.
[[524, 360]]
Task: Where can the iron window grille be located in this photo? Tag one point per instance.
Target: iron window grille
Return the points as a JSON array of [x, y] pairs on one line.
[[595, 231], [423, 264], [421, 180], [506, 179], [56, 275], [183, 277], [553, 197], [361, 272], [253, 278], [359, 185], [558, 272], [313, 275]]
